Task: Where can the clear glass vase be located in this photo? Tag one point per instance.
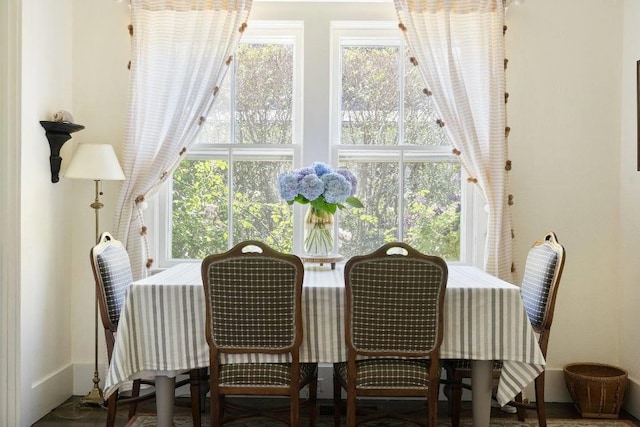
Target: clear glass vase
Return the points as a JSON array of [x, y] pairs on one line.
[[318, 232]]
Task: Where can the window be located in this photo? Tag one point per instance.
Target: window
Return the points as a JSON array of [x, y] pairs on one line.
[[249, 138], [369, 113], [389, 136]]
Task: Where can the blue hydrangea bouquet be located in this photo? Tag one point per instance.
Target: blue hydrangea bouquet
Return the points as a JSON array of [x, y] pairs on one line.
[[325, 190]]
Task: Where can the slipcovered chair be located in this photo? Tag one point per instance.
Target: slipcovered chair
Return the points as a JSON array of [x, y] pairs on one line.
[[394, 329], [543, 269], [253, 300], [112, 273]]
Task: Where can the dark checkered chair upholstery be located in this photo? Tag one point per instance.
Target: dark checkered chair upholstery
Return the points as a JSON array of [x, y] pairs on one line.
[[540, 281], [254, 297], [112, 273], [394, 329]]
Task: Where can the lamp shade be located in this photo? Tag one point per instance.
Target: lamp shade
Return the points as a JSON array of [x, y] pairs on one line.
[[95, 161]]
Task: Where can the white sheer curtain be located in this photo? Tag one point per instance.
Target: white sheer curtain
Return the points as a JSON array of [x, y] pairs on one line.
[[181, 50], [458, 46]]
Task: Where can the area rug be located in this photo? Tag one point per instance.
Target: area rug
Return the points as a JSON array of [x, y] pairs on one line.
[[185, 421]]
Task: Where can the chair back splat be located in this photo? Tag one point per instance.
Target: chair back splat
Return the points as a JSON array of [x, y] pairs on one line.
[[394, 329], [253, 300]]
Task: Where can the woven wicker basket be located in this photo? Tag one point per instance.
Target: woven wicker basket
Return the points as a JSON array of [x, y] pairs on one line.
[[597, 390]]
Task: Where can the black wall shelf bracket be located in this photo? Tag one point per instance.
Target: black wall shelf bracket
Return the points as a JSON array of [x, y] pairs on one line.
[[58, 133]]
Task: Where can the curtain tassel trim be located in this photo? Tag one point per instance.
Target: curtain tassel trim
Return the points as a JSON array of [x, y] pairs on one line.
[[242, 27], [229, 59], [472, 180], [506, 97], [506, 62], [143, 230], [402, 26], [507, 166], [427, 92], [440, 123], [456, 152], [510, 200], [149, 262], [130, 28], [413, 61], [141, 203], [507, 130]]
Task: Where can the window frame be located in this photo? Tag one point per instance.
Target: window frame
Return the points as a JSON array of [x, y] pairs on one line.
[[386, 33], [473, 215]]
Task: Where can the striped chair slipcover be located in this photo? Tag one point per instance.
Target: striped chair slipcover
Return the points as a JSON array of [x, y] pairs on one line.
[[540, 281], [112, 273]]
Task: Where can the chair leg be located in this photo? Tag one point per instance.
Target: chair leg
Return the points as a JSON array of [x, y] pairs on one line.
[[337, 402], [194, 384], [540, 406], [216, 407], [111, 409], [520, 410], [351, 405], [204, 387], [455, 401], [433, 405], [135, 392], [313, 399], [295, 408]]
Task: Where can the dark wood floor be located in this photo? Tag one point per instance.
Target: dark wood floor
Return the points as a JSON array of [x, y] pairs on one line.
[[72, 414]]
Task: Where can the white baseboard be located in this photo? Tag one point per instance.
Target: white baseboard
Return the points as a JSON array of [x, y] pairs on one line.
[[632, 398], [45, 394]]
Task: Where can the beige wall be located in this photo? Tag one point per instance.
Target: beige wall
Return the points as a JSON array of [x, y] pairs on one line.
[[573, 146], [564, 111], [100, 88], [629, 296], [45, 285]]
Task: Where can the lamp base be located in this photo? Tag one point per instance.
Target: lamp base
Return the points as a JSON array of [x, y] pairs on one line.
[[95, 396]]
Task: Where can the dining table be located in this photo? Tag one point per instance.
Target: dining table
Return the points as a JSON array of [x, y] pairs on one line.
[[161, 332]]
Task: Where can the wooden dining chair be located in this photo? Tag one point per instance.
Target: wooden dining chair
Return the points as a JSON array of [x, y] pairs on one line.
[[112, 273], [253, 300], [540, 282], [394, 329]]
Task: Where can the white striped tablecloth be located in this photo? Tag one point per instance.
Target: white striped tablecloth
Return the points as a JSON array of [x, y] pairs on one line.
[[161, 330]]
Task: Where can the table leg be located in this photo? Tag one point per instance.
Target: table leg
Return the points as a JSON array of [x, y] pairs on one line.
[[481, 383], [165, 393]]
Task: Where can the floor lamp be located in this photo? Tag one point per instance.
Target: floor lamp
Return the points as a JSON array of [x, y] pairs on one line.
[[97, 162]]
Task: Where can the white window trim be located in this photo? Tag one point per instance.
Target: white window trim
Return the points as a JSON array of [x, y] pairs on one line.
[[473, 217]]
